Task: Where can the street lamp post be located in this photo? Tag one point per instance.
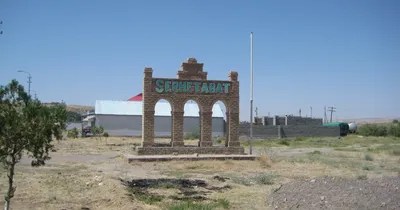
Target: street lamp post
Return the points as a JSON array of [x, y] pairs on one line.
[[251, 93], [29, 80]]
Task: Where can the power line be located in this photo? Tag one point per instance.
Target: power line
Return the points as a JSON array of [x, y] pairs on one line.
[[332, 110]]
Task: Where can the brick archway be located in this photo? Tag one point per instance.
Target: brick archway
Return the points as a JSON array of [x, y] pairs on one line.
[[191, 84]]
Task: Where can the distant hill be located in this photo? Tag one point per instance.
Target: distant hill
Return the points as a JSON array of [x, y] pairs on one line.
[[371, 120], [81, 109]]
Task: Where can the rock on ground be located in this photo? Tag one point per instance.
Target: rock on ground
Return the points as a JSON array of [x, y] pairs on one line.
[[338, 193]]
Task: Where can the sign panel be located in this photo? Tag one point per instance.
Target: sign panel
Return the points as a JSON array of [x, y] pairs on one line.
[[179, 86]]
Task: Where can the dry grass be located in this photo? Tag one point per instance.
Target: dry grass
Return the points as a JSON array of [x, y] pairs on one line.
[[85, 172]]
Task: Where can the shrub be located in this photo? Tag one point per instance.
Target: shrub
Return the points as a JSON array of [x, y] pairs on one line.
[[368, 157], [105, 134], [284, 142], [394, 129], [73, 133], [373, 130]]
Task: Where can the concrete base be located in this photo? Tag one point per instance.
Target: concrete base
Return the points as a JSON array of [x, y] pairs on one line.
[[150, 158], [190, 150]]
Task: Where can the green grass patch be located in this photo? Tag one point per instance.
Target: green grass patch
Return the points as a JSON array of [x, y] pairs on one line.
[[367, 167], [193, 205], [362, 177], [315, 152], [144, 197], [265, 179], [260, 179]]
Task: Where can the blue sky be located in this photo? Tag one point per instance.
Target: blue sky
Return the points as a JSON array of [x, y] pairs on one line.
[[306, 53]]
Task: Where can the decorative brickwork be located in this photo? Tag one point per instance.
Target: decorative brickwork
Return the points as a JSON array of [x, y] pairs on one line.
[[191, 84]]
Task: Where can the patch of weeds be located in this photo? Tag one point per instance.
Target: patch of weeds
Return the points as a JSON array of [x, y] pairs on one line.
[[191, 205], [167, 185], [144, 196], [241, 181], [368, 157], [346, 149], [367, 167], [298, 139], [362, 177], [194, 166], [284, 142], [315, 152], [265, 179], [224, 203], [264, 160]]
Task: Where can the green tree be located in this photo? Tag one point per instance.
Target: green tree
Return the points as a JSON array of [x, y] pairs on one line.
[[26, 127]]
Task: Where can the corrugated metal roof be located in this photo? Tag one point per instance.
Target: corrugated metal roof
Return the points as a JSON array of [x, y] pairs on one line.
[[161, 108]]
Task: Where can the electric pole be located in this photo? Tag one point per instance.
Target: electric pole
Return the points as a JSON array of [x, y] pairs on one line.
[[29, 80], [311, 111], [332, 110]]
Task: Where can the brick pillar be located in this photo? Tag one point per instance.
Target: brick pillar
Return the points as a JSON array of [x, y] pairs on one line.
[[148, 129], [177, 129], [233, 130], [199, 128], [206, 129], [172, 127], [227, 128], [148, 110]]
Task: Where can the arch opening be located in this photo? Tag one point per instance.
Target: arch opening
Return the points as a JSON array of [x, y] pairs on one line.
[[191, 123], [162, 122], [219, 123]]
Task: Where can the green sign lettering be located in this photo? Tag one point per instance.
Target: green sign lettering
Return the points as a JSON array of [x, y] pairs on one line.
[[175, 86]]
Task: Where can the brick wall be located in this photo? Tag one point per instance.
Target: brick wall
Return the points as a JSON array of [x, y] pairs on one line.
[[290, 131], [296, 120]]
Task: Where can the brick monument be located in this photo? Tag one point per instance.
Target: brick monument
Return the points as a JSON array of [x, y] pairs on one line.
[[191, 84]]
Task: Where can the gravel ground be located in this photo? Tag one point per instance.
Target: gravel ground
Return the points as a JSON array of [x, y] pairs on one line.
[[338, 193]]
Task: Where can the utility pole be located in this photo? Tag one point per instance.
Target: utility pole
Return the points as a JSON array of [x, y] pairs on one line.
[[29, 80], [35, 93], [325, 117], [311, 111], [299, 112], [332, 110], [251, 93], [256, 111]]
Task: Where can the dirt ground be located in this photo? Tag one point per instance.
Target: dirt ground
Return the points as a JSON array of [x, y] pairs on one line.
[[91, 174]]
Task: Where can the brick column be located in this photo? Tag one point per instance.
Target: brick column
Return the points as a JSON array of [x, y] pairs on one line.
[[148, 110], [172, 127], [206, 129], [233, 130], [148, 128], [227, 128], [199, 128], [177, 129]]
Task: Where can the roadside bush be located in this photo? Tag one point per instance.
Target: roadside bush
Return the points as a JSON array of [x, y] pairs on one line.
[[394, 129], [372, 130], [73, 133], [105, 134]]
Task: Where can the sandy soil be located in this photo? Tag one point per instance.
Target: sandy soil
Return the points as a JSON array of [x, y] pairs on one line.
[[91, 174]]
